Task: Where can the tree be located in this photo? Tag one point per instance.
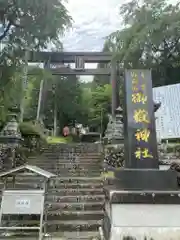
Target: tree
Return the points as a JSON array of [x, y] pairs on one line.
[[31, 93], [33, 24], [68, 97], [100, 80], [100, 107], [150, 39], [63, 100]]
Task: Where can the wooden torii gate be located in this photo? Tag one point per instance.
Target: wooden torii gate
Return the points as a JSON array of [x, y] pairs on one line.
[[80, 59]]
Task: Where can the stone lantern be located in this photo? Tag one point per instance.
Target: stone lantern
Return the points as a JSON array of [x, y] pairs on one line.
[[115, 129], [10, 140], [114, 137]]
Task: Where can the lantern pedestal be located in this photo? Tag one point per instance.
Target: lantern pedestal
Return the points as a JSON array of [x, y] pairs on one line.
[[10, 139]]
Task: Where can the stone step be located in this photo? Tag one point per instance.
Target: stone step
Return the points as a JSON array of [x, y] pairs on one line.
[[71, 150], [60, 152], [76, 174], [79, 185], [73, 170], [75, 192], [53, 235], [77, 235], [70, 155], [81, 144], [61, 225], [77, 163], [66, 160], [67, 154], [80, 225], [76, 179], [61, 186], [79, 166], [75, 215], [81, 149], [51, 163], [46, 161], [77, 198], [29, 178], [53, 167], [75, 206]]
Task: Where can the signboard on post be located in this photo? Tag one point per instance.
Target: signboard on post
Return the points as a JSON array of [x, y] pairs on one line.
[[22, 202], [79, 63], [140, 133]]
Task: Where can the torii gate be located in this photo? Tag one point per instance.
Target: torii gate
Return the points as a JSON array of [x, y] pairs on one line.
[[80, 59]]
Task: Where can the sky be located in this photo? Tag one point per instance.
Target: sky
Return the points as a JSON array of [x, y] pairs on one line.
[[93, 20]]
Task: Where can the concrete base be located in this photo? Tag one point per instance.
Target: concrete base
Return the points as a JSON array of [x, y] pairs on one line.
[[142, 215], [142, 233]]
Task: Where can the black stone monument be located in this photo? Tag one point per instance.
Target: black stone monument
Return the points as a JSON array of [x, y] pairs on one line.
[[141, 155], [140, 132], [140, 182]]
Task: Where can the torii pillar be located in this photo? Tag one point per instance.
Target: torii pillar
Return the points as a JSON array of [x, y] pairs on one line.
[[115, 89]]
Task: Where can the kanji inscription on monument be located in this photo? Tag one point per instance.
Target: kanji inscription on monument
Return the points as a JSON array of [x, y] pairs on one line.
[[140, 122]]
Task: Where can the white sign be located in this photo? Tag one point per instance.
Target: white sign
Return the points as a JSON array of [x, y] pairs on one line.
[[168, 116], [23, 203]]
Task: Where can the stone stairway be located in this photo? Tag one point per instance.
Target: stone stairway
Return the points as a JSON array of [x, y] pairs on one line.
[[75, 197]]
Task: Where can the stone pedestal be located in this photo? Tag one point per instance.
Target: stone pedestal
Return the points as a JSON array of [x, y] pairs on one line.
[[141, 200], [114, 149], [141, 215], [115, 128], [10, 139]]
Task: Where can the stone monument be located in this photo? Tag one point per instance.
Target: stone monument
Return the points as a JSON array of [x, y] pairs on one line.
[[136, 203]]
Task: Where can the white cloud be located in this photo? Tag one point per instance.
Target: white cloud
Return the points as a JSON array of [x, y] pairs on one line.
[[93, 21]]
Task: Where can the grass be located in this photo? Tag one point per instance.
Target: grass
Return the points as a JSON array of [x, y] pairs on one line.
[[54, 140], [107, 175]]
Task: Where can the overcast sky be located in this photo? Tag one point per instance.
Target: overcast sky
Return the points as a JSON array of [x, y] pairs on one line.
[[93, 21]]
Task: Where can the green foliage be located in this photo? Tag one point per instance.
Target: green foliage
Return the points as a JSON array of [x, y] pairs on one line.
[[61, 94], [100, 80], [64, 97], [150, 39], [10, 95], [31, 128], [33, 24], [31, 94], [100, 106], [55, 140], [34, 139]]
